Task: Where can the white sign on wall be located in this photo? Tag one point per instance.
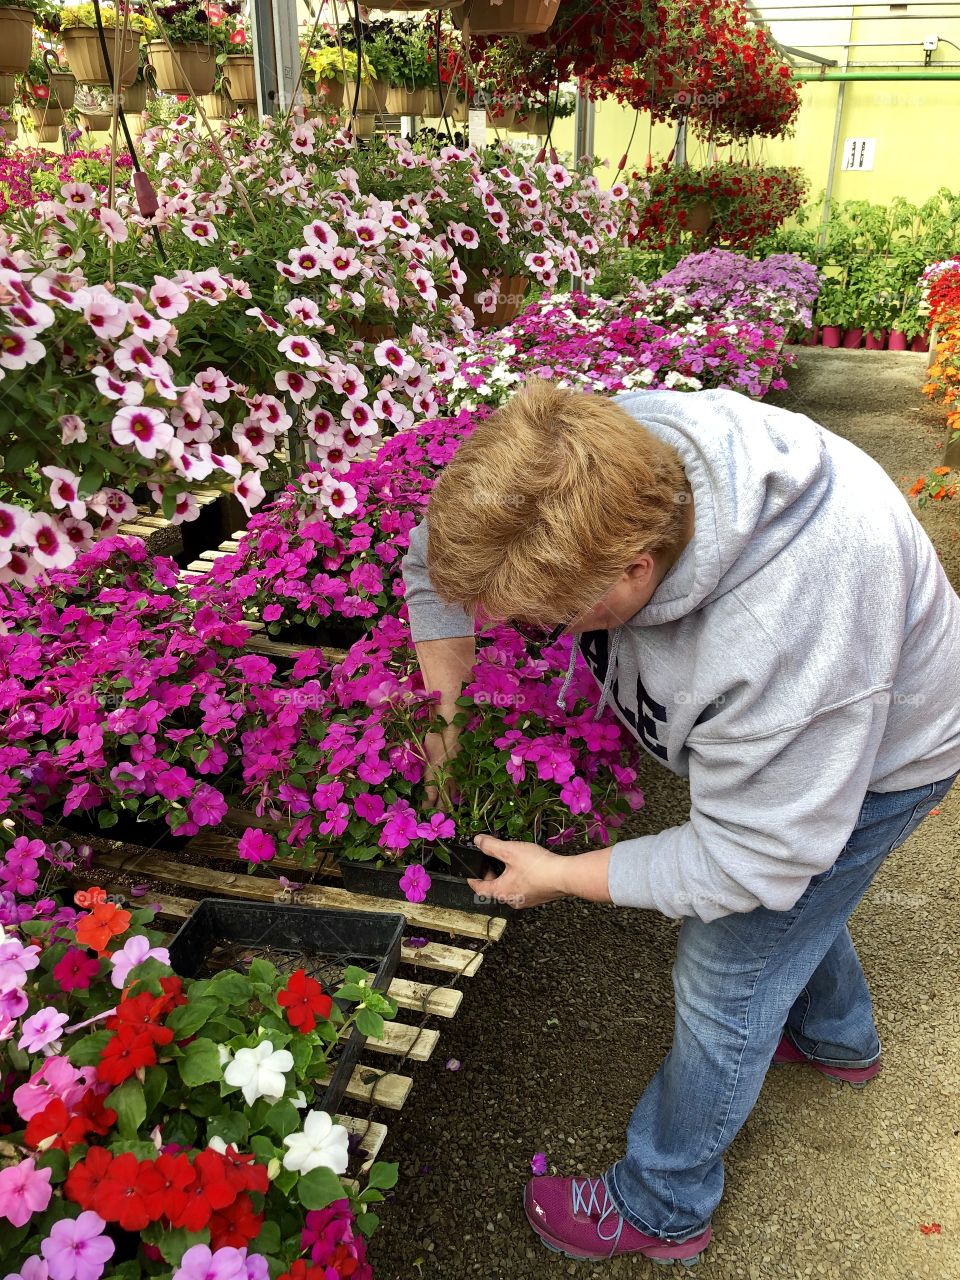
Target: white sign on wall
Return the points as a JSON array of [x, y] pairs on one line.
[[858, 153], [477, 128]]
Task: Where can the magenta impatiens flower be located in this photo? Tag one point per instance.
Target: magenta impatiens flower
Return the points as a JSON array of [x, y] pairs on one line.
[[76, 969], [256, 845], [24, 1191], [77, 1249], [415, 883], [538, 1164]]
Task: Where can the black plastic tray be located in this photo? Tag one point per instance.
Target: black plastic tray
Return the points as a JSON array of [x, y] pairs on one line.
[[446, 889], [368, 938]]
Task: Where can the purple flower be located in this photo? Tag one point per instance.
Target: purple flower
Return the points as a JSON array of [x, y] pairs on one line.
[[199, 1263], [134, 951], [256, 845], [538, 1164], [416, 943], [24, 1191], [77, 1249], [415, 883], [207, 806], [42, 1030], [453, 1064]]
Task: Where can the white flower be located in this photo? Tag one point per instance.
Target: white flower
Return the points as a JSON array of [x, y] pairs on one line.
[[259, 1072], [322, 1144]]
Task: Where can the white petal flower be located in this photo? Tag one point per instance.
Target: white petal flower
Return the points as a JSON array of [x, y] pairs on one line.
[[322, 1144], [259, 1072]]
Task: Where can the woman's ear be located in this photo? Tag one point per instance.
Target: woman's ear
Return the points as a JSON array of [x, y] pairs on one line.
[[642, 569]]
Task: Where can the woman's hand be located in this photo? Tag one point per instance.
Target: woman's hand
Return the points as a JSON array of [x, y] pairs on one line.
[[533, 875], [440, 748]]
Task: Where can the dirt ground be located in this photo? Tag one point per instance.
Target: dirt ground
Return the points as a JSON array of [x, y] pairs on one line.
[[570, 1015]]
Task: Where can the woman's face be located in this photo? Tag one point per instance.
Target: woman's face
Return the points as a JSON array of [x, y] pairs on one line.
[[626, 597]]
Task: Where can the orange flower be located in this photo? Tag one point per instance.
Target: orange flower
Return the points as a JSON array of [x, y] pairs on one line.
[[98, 926], [941, 471], [941, 492], [917, 488]]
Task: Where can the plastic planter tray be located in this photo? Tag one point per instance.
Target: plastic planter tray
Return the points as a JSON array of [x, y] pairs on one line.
[[448, 888], [367, 938]]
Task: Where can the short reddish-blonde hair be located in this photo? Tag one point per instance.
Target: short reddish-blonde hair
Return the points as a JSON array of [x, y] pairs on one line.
[[546, 504]]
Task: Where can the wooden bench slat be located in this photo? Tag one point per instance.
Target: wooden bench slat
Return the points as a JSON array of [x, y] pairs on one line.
[[241, 885], [371, 1133], [422, 997], [443, 958], [385, 1088], [415, 1043]]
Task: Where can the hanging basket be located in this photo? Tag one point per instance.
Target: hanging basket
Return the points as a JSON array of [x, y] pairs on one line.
[[97, 121], [406, 102], [134, 99], [415, 6], [328, 96], [10, 129], [8, 90], [240, 78], [373, 96], [503, 121], [510, 296], [46, 116], [16, 40], [510, 17], [63, 89], [196, 72], [217, 106], [48, 133], [82, 45], [534, 122], [700, 217], [363, 124]]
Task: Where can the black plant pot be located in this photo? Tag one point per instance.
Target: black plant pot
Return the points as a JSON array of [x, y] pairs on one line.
[[367, 938], [127, 830], [448, 882]]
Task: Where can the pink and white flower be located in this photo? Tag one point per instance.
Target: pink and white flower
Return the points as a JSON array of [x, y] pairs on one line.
[[45, 537], [297, 385], [63, 491], [338, 496], [146, 429], [249, 491], [199, 230]]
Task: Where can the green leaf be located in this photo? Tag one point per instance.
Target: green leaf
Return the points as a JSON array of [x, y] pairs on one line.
[[175, 1241], [369, 1024], [20, 457], [154, 1086], [130, 1105], [88, 1051], [318, 1188], [263, 1148], [169, 504], [180, 1129], [268, 1241], [383, 1175], [283, 1118], [367, 1223], [107, 818], [90, 481], [200, 1063], [57, 1161], [234, 988], [263, 971], [188, 1018], [233, 1127]]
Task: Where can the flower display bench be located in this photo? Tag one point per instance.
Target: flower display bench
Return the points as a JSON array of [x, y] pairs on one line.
[[439, 950]]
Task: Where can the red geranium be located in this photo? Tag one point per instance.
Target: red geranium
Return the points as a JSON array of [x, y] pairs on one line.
[[304, 1000], [68, 1129], [127, 1052], [210, 1191], [130, 1193]]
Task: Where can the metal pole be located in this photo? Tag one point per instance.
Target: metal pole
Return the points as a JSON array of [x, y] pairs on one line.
[[583, 128], [844, 76], [680, 147], [265, 62], [834, 148], [286, 38]]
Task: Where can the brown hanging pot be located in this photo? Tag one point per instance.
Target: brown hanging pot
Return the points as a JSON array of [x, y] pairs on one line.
[[8, 90], [510, 297], [63, 87], [16, 40], [82, 46], [46, 116], [406, 102], [240, 77], [510, 17], [699, 217], [196, 72]]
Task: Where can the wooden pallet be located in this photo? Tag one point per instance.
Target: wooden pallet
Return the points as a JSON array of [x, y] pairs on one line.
[[145, 525], [424, 988]]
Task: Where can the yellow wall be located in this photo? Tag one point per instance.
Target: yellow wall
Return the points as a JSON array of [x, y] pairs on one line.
[[916, 125]]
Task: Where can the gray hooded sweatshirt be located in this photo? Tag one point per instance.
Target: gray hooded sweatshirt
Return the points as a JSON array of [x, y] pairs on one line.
[[804, 649]]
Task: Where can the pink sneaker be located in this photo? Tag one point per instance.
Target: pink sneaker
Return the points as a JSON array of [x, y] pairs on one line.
[[576, 1217], [857, 1077]]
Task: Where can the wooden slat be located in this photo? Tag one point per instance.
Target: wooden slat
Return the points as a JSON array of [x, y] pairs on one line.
[[422, 997], [371, 1133], [416, 1043], [239, 885], [198, 566], [385, 1088], [136, 531], [443, 959], [154, 522], [276, 648]]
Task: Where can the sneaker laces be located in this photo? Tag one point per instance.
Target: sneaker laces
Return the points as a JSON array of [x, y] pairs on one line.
[[586, 1200]]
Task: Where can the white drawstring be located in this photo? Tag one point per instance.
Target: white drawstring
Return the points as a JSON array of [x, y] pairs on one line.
[[615, 638]]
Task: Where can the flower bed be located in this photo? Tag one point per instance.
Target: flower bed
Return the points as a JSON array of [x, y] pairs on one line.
[[163, 1126], [940, 285]]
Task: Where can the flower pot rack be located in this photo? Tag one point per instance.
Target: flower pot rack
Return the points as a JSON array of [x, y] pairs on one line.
[[187, 67]]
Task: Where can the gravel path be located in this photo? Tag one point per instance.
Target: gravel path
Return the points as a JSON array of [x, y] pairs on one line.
[[571, 1013]]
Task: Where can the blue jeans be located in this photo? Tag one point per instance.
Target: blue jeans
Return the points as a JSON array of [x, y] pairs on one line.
[[739, 982]]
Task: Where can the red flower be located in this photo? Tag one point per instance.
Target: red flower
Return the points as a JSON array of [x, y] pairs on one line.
[[68, 1129], [239, 36], [243, 1173], [209, 1192], [85, 1177], [178, 1178], [129, 1193], [127, 1052], [304, 1000], [235, 1225]]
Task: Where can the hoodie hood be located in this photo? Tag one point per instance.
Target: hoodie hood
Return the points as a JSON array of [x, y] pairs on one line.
[[756, 478]]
